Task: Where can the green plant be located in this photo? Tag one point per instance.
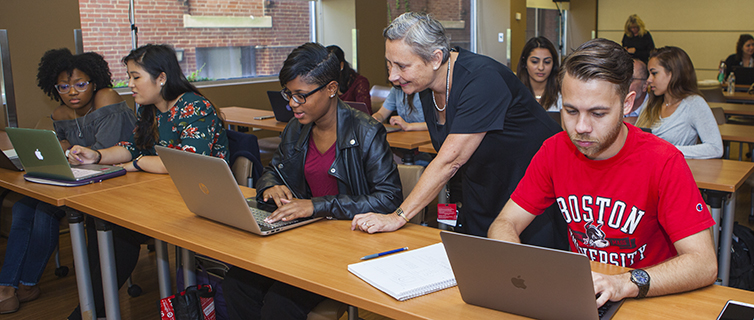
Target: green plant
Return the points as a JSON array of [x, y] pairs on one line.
[[194, 76], [120, 84]]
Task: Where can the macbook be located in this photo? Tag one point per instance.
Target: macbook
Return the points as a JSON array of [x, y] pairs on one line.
[[280, 108], [526, 280], [209, 190], [45, 162]]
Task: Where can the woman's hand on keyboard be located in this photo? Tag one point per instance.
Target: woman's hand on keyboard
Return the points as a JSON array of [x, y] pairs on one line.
[[277, 193], [82, 155], [291, 210]]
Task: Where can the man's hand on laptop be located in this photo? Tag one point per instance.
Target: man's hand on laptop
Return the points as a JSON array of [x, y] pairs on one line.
[[613, 287], [291, 210]]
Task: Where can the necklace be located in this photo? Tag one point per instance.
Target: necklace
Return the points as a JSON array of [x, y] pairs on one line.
[[81, 134], [447, 88]]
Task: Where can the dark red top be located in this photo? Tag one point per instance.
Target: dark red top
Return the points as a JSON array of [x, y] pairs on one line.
[[358, 91], [317, 171]]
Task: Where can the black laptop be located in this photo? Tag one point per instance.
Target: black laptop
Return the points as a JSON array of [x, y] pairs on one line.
[[280, 107]]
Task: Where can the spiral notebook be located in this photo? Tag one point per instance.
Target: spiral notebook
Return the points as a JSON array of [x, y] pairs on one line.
[[408, 274]]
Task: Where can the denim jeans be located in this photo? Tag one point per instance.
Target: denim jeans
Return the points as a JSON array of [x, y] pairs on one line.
[[33, 238]]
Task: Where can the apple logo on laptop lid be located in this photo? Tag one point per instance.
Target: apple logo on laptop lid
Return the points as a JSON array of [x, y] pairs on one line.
[[39, 154], [518, 282]]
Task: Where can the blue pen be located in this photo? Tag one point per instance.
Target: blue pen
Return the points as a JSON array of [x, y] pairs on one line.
[[371, 256]]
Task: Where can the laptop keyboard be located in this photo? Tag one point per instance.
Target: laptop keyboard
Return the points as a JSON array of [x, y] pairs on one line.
[[80, 173], [607, 310], [259, 216]]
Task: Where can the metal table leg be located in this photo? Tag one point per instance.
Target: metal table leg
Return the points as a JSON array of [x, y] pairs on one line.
[[163, 268], [107, 263], [81, 260], [189, 274], [726, 238], [715, 199]]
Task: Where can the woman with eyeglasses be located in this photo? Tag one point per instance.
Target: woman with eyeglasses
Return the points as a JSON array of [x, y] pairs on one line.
[[173, 114], [333, 161], [91, 113]]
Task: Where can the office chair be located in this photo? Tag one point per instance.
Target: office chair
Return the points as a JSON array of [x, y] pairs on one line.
[[378, 95]]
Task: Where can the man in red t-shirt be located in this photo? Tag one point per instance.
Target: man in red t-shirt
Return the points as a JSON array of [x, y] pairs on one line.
[[628, 197]]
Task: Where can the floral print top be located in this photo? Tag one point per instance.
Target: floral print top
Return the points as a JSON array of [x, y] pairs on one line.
[[192, 124]]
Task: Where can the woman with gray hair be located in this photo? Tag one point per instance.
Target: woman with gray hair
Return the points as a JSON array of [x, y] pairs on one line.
[[482, 119]]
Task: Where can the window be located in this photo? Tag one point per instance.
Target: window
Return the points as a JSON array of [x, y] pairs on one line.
[[215, 39], [455, 16]]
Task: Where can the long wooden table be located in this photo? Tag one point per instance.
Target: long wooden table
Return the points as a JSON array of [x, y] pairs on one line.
[[245, 117], [315, 257], [734, 109], [55, 195], [739, 97]]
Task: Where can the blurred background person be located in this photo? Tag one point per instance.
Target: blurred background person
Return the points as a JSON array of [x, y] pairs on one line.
[[538, 70], [636, 39], [351, 85]]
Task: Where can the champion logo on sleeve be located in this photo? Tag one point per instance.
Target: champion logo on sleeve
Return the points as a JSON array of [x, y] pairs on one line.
[[699, 207]]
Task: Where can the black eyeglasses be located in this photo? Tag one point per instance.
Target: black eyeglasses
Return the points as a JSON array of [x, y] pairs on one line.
[[299, 98], [65, 88]]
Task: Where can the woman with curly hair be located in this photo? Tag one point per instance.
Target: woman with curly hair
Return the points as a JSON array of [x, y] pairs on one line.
[[90, 113], [351, 85]]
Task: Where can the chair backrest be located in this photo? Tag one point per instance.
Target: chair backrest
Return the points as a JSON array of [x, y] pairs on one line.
[[719, 115], [378, 95], [243, 157], [712, 90], [410, 175], [359, 106], [379, 92]]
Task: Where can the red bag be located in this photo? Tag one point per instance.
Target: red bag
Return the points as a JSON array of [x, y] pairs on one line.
[[195, 303]]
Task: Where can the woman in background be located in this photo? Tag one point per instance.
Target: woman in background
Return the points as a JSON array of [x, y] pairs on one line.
[[744, 56], [333, 161], [676, 110], [538, 70], [409, 107], [351, 85], [91, 113], [173, 114], [636, 39]]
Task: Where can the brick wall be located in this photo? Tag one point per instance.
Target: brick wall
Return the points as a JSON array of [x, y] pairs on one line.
[[106, 29], [445, 10]]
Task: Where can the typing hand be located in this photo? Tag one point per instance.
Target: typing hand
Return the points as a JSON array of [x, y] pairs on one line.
[[81, 155], [291, 210], [376, 222], [613, 287], [277, 193]]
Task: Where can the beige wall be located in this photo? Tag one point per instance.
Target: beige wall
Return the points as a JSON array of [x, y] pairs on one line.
[[494, 17], [35, 26], [706, 30], [582, 20], [371, 19]]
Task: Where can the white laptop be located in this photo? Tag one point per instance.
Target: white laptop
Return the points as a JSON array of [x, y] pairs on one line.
[[209, 190], [527, 280]]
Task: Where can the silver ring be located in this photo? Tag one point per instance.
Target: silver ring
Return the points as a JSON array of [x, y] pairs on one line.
[[365, 224]]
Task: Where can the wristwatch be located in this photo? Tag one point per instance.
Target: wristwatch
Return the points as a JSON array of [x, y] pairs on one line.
[[641, 279]]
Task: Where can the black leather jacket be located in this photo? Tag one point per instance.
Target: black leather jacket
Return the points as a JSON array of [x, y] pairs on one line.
[[368, 179]]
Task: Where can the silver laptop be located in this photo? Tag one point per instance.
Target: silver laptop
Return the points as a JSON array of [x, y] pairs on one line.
[[209, 190], [9, 160], [526, 280], [45, 162]]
